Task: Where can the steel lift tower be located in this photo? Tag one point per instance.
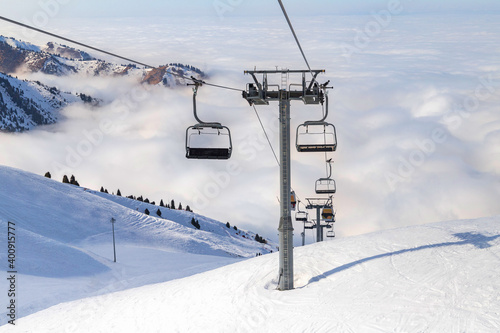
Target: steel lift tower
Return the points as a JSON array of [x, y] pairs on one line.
[[261, 93]]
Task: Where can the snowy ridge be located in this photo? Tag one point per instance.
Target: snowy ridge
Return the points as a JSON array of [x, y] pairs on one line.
[[64, 241], [26, 104], [58, 59], [441, 277], [14, 43]]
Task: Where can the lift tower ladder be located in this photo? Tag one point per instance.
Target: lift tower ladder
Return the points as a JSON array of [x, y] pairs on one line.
[[261, 93]]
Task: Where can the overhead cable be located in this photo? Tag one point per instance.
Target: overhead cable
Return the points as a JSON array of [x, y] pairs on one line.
[[106, 52], [267, 137], [295, 35]]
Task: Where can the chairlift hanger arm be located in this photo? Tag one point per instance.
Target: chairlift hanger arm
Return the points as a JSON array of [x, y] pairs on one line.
[[330, 165], [322, 120], [197, 84]]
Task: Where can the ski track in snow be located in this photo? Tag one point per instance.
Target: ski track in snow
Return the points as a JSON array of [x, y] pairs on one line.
[[64, 247], [440, 277]]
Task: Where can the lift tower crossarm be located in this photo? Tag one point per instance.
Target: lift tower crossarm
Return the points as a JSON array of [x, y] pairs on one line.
[[276, 71]]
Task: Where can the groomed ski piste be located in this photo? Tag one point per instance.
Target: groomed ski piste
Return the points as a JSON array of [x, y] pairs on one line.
[[64, 250], [440, 277]]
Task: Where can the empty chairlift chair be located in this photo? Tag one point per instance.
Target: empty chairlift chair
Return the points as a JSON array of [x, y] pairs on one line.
[[207, 140], [316, 136], [301, 216], [326, 185], [330, 233]]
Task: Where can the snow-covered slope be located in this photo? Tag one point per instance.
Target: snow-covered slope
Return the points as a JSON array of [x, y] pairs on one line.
[[64, 241], [25, 104], [58, 59], [440, 277]]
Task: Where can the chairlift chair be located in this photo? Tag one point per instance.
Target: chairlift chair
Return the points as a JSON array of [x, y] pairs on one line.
[[316, 136], [301, 216], [207, 140], [293, 200], [326, 185], [330, 233], [327, 214]]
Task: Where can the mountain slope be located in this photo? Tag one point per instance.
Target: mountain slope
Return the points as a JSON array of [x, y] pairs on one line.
[[440, 277], [26, 104], [64, 241], [57, 59]]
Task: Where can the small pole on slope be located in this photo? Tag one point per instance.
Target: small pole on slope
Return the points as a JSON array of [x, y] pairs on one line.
[[113, 228]]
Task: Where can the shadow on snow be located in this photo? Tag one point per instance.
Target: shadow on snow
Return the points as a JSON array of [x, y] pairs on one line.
[[478, 240]]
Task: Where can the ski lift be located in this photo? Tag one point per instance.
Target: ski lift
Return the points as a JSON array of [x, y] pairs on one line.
[[316, 136], [327, 214], [293, 200], [207, 140], [254, 94], [301, 215], [311, 94], [330, 233], [326, 185]]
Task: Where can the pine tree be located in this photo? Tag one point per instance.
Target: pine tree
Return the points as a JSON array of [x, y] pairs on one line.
[[65, 180], [172, 204], [195, 223], [48, 175], [146, 200], [161, 203], [228, 225], [188, 209], [158, 212], [118, 193], [102, 189], [72, 180], [180, 206], [146, 211]]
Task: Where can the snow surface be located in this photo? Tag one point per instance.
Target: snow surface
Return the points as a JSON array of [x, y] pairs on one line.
[[46, 101], [64, 242], [440, 277], [19, 44]]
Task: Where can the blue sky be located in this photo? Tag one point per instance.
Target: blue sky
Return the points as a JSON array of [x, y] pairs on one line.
[[125, 8]]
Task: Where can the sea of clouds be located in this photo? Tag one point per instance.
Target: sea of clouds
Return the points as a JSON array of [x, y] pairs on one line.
[[415, 104]]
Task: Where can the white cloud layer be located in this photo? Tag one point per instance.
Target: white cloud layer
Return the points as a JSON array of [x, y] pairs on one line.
[[416, 107]]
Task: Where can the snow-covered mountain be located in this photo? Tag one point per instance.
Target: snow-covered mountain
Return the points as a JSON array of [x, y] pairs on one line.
[[25, 104], [64, 241], [57, 59]]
